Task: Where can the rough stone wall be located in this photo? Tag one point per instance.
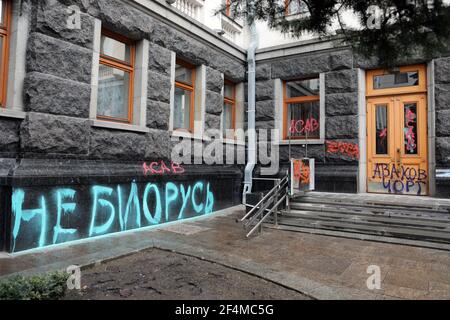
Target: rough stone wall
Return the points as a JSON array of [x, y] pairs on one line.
[[442, 96], [57, 85], [442, 103], [341, 110], [56, 145], [57, 91]]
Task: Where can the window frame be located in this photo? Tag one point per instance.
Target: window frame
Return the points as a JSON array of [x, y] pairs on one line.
[[286, 8], [420, 88], [228, 8], [232, 102], [190, 88], [5, 31], [287, 101], [287, 11], [123, 66]]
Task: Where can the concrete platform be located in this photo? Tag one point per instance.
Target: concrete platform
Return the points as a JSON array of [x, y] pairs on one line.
[[323, 267]]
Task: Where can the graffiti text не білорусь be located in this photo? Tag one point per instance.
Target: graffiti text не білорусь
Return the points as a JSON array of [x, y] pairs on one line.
[[40, 216]]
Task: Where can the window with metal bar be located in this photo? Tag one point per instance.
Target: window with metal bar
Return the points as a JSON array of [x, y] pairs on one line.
[[302, 109]]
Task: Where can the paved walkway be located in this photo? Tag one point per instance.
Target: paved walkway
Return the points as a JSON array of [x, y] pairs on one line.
[[319, 266]]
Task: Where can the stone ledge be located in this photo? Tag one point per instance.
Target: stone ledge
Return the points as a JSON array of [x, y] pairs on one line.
[[45, 172], [12, 113], [119, 126]]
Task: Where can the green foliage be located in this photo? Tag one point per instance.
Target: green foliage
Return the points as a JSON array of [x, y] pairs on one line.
[[47, 287], [403, 29]]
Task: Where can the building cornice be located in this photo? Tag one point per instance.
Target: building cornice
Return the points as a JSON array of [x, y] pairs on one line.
[[167, 14], [300, 47]]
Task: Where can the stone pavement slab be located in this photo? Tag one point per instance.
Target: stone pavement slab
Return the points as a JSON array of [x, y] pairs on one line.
[[322, 267]]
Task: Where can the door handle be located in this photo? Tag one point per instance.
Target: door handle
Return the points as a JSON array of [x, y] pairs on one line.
[[398, 157]]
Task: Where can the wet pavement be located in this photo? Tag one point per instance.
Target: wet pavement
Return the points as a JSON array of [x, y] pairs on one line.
[[322, 267]]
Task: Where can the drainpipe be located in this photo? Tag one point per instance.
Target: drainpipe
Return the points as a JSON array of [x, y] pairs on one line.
[[251, 54]]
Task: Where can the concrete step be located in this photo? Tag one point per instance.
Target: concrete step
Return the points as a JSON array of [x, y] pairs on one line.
[[424, 234], [427, 208], [370, 211], [409, 218], [363, 237], [377, 200], [369, 220]]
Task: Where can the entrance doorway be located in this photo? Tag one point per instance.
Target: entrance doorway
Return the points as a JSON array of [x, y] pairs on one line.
[[397, 137]]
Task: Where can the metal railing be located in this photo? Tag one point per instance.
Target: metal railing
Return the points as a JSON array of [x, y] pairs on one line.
[[266, 207]]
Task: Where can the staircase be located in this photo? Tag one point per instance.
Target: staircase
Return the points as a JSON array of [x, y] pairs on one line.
[[420, 221]]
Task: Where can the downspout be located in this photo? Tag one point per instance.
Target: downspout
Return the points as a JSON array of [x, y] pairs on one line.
[[251, 113]]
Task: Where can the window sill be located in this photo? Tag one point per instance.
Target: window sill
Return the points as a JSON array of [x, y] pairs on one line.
[[296, 16], [119, 126], [299, 142], [11, 113]]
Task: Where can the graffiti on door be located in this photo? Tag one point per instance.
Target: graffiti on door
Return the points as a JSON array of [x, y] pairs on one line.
[[401, 179], [410, 129]]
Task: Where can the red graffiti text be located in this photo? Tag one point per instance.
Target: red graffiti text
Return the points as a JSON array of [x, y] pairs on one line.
[[304, 127], [160, 168], [350, 150]]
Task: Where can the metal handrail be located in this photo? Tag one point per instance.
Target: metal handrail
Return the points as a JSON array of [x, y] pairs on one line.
[[258, 225], [266, 206], [263, 199]]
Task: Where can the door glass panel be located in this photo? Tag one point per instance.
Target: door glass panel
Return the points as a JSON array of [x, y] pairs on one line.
[[396, 80], [381, 119], [410, 129]]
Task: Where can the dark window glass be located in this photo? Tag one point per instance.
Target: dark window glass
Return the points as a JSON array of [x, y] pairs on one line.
[[302, 88], [382, 129], [396, 80], [410, 130], [304, 120]]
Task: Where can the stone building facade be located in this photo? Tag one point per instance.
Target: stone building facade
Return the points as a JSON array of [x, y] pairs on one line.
[[342, 150], [68, 172]]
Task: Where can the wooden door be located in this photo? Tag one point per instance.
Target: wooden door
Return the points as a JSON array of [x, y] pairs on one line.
[[397, 144]]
